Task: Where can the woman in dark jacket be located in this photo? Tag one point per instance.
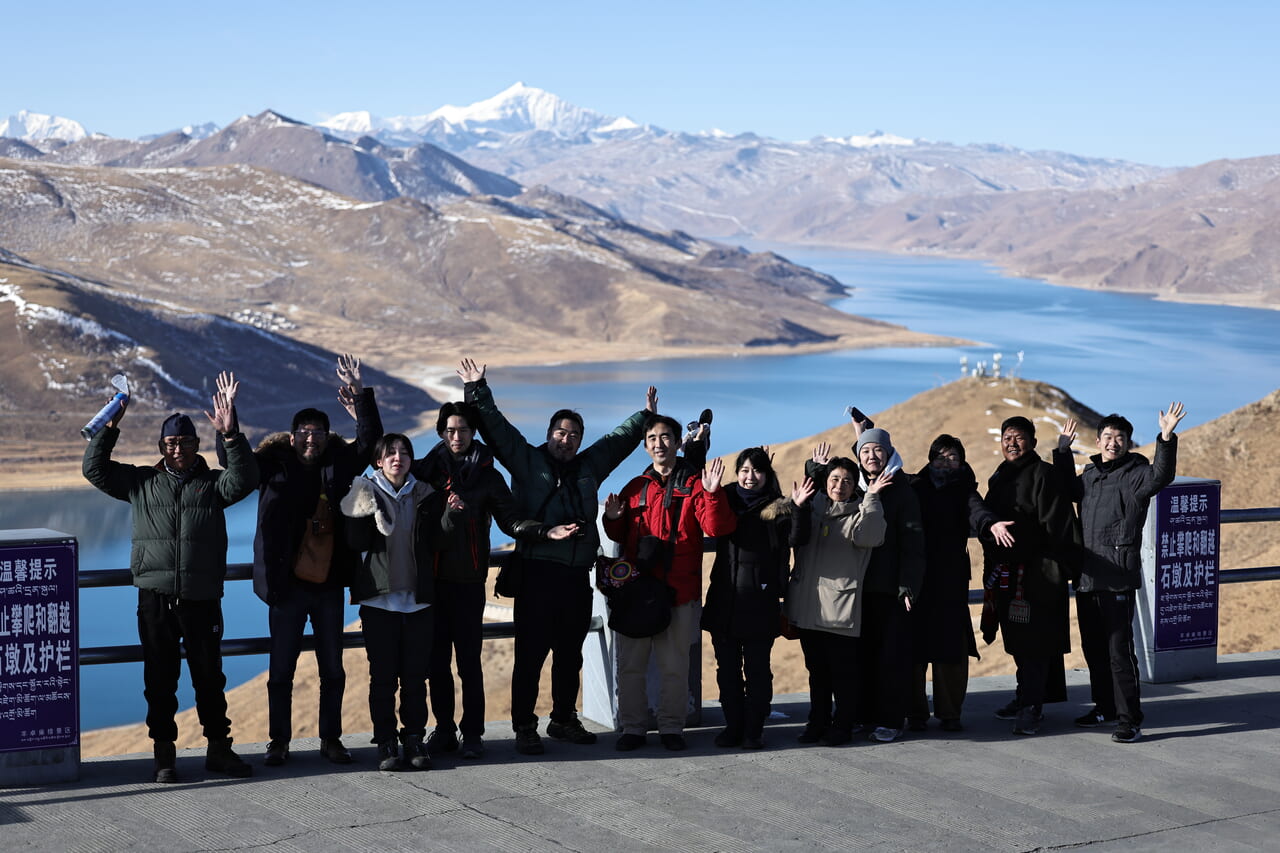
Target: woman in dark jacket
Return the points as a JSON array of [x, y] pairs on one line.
[[743, 611], [942, 627]]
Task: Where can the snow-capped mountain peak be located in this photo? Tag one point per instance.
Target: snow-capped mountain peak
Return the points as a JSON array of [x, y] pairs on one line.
[[520, 108], [33, 127], [357, 121]]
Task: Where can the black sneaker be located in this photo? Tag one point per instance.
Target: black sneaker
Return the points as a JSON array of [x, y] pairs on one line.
[[835, 736], [416, 752], [528, 742], [1027, 722], [627, 742], [277, 753], [812, 733], [673, 741], [1127, 733], [572, 731], [472, 747], [1008, 712], [332, 750], [753, 742], [728, 737], [1094, 718], [389, 756], [442, 741]]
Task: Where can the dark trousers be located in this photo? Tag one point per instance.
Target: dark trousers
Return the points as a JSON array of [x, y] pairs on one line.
[[1106, 636], [950, 684], [832, 662], [884, 661], [745, 680], [398, 646], [163, 622], [552, 615], [287, 621], [458, 634]]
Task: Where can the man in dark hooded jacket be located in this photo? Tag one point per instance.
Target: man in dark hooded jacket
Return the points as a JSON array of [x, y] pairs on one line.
[[301, 561], [1113, 493]]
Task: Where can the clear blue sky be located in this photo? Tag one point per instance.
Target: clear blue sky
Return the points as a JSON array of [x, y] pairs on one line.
[[1169, 83]]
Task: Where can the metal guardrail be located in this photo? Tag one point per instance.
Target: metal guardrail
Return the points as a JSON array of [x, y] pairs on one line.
[[103, 578], [506, 630]]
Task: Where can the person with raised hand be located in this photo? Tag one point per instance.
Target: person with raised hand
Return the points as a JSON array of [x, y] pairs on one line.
[[1113, 493], [179, 562], [555, 482]]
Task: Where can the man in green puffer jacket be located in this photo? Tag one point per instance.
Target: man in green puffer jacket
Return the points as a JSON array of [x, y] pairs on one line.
[[178, 562]]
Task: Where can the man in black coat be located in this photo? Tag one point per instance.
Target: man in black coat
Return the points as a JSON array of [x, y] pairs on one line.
[[1113, 494], [301, 561]]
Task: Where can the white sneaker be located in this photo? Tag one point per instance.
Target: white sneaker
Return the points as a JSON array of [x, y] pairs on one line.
[[883, 734]]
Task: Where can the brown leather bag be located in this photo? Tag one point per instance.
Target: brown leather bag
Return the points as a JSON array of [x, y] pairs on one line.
[[315, 553]]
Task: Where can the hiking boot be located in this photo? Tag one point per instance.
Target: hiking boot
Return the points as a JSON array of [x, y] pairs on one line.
[[277, 753], [752, 742], [528, 742], [416, 753], [166, 755], [389, 756], [1127, 733], [729, 737], [628, 742], [884, 734], [1094, 718], [918, 724], [472, 747], [331, 748], [572, 731], [673, 741], [442, 741], [219, 758], [1027, 722], [952, 725]]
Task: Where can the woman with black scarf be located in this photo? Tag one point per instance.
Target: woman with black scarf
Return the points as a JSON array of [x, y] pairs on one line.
[[748, 580]]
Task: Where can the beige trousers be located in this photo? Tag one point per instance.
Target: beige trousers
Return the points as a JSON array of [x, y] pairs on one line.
[[670, 649]]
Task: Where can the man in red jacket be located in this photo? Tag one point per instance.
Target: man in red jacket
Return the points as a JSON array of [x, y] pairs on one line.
[[674, 508]]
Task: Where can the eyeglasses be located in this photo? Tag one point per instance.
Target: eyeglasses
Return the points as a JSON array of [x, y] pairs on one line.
[[310, 433], [565, 435], [947, 459], [186, 441]]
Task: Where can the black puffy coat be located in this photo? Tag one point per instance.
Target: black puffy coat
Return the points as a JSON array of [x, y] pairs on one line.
[[749, 576]]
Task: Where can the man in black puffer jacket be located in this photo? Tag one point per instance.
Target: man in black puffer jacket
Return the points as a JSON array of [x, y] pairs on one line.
[[1113, 493], [179, 561]]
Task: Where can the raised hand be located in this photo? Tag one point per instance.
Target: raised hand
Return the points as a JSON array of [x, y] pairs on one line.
[[801, 492], [469, 372], [1169, 420], [349, 372], [1068, 434], [227, 386], [222, 418], [712, 475], [613, 506], [348, 401], [651, 400], [879, 483], [562, 531], [822, 454], [1001, 532]]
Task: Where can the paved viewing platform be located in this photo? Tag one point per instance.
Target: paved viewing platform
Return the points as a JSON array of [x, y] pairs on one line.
[[1205, 776]]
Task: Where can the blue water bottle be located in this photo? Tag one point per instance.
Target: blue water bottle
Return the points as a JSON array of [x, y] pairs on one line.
[[110, 410]]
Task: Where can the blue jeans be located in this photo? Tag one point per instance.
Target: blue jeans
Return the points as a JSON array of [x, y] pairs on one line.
[[288, 619]]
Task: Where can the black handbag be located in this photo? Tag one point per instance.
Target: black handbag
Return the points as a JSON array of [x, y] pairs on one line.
[[640, 602]]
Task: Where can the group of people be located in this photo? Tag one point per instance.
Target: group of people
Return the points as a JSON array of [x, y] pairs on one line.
[[865, 564]]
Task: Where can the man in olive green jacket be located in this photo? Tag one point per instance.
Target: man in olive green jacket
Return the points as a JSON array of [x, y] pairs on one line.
[[178, 562]]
